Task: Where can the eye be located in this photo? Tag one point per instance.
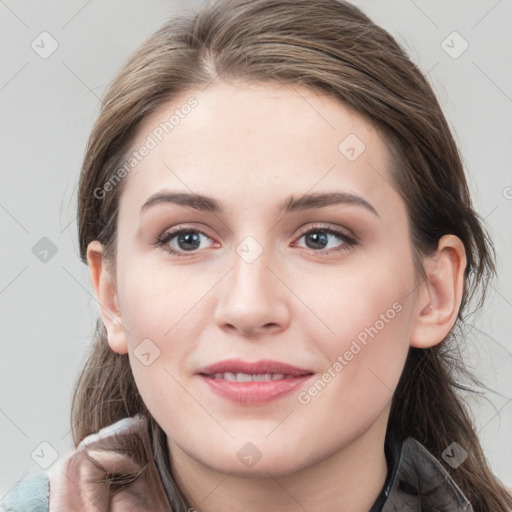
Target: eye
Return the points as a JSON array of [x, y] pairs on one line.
[[181, 241], [319, 237]]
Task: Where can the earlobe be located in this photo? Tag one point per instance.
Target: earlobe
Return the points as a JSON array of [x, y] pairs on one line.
[[106, 294], [440, 294]]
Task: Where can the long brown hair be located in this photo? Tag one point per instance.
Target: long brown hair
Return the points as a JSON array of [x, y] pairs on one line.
[[329, 46]]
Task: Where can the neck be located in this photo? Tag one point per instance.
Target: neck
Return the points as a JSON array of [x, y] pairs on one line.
[[349, 480]]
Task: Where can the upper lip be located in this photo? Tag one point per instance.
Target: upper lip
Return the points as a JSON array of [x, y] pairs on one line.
[[256, 368]]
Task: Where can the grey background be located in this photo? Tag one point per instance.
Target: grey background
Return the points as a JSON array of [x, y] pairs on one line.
[[47, 110]]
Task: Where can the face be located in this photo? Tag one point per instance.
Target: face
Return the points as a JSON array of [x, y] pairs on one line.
[[324, 286]]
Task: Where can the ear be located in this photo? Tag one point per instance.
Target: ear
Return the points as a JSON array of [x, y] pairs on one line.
[[440, 294], [104, 287]]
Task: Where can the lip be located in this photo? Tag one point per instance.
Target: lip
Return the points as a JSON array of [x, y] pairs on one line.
[[255, 392], [255, 368]]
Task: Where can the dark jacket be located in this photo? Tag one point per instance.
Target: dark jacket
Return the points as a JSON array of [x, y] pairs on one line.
[[416, 481]]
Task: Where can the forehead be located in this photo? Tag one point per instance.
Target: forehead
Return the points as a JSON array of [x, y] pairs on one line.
[[256, 143]]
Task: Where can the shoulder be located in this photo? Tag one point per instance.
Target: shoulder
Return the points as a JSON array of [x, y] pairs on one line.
[[28, 495], [121, 448]]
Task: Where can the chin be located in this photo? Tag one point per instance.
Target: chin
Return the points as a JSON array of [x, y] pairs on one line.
[[251, 462]]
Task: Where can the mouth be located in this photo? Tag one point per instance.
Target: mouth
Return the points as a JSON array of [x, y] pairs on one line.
[[253, 383], [246, 377]]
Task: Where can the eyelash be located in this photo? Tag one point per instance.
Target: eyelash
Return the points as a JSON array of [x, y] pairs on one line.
[[348, 241]]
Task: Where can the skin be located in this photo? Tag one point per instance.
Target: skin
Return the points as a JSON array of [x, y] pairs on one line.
[[251, 146]]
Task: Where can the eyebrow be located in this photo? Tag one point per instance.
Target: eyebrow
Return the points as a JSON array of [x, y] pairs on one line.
[[290, 204]]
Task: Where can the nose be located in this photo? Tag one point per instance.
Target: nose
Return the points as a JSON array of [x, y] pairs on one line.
[[253, 298]]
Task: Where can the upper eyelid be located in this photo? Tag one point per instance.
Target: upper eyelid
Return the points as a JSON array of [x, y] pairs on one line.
[[177, 229], [329, 227]]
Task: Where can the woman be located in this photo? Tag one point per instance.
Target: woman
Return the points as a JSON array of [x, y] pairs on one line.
[[299, 354]]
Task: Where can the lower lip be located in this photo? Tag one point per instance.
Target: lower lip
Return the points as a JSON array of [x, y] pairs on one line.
[[254, 393]]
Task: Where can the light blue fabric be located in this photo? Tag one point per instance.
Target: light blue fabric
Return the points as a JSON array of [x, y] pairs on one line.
[[29, 495]]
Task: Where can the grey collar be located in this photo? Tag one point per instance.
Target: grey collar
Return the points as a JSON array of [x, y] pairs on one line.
[[418, 482]]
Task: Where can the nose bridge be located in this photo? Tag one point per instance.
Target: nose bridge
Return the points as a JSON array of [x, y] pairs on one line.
[[250, 275], [252, 298], [251, 267]]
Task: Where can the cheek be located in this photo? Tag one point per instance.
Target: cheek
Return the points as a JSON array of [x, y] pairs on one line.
[[375, 318], [366, 300], [365, 362], [366, 316], [161, 303], [374, 351], [163, 313]]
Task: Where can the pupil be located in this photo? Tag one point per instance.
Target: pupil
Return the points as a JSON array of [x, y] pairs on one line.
[[317, 239], [189, 238]]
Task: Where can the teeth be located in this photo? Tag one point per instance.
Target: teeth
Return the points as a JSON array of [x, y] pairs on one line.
[[245, 377], [262, 377]]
